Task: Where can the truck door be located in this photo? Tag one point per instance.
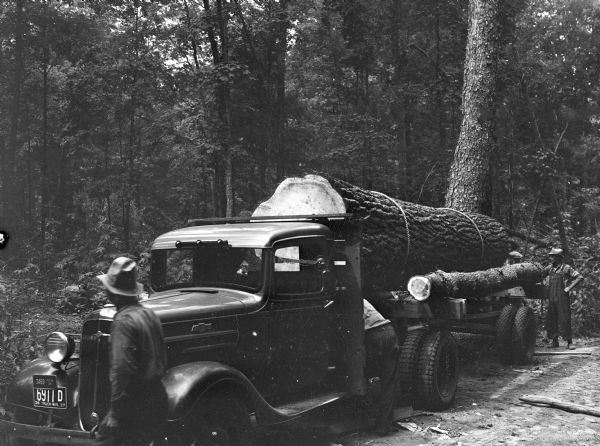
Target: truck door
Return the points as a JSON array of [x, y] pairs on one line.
[[302, 327]]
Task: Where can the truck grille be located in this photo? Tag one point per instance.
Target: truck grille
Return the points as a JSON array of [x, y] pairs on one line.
[[94, 384]]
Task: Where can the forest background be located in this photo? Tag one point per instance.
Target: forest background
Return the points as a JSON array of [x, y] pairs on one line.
[[119, 120]]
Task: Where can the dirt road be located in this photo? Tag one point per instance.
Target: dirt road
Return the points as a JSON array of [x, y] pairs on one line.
[[487, 410]]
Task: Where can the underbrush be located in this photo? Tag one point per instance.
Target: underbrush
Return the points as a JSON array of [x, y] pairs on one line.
[[27, 316]]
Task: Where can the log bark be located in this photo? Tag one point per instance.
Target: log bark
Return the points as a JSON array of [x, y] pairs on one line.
[[399, 239], [563, 405], [483, 283]]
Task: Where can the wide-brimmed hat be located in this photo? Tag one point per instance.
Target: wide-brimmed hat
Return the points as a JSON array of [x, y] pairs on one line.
[[121, 278], [556, 252], [515, 255]]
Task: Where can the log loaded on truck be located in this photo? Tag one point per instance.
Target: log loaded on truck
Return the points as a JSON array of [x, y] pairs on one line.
[[262, 318]]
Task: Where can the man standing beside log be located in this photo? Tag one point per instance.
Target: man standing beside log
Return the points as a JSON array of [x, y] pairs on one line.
[[561, 279]]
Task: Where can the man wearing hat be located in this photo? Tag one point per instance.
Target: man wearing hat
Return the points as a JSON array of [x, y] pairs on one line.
[[513, 257], [561, 279], [138, 400]]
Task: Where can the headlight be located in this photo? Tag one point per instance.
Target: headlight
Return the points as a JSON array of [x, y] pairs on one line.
[[419, 287], [59, 347]]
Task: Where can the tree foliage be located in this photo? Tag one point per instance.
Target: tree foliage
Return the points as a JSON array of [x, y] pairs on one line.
[[120, 120]]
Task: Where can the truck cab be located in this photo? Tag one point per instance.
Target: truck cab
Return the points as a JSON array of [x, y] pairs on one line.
[[262, 320]]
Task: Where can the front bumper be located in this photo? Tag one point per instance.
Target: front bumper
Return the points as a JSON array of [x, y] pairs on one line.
[[10, 430]]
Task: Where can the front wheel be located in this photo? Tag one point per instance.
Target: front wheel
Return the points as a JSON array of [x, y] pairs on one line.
[[220, 419], [437, 371]]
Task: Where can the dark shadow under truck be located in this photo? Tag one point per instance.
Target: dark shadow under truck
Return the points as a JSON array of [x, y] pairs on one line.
[[263, 324]]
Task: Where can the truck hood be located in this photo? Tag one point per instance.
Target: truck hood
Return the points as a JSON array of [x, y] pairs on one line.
[[200, 303]]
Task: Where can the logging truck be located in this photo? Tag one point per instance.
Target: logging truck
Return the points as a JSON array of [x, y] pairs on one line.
[[262, 318]]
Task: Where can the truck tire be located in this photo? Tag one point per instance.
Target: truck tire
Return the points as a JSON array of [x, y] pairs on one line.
[[523, 335], [220, 419], [504, 332], [407, 367], [437, 371]]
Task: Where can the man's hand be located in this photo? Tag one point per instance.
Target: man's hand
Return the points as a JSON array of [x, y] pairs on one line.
[[567, 289]]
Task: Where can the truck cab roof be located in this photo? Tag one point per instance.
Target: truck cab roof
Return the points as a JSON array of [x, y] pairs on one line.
[[246, 235]]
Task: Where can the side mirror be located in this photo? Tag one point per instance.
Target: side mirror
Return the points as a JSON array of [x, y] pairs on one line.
[[321, 265]]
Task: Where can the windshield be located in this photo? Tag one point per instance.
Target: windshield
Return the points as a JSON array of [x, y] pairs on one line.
[[207, 266]]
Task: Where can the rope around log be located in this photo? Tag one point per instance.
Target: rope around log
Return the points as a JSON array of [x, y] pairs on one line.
[[405, 223], [476, 228]]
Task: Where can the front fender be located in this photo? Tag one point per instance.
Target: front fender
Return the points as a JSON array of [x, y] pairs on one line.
[[186, 383], [20, 390]]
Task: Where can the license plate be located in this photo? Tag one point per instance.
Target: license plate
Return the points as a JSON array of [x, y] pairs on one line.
[[47, 394]]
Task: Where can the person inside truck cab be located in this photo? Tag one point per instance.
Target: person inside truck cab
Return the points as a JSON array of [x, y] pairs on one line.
[[382, 349], [138, 400]]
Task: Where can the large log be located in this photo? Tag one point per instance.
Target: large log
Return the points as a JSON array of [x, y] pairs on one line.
[[399, 239], [483, 283]]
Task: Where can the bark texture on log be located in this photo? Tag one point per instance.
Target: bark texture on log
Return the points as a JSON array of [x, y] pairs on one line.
[[399, 239], [483, 283]]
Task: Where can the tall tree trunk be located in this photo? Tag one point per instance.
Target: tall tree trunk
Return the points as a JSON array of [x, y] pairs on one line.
[[192, 34], [129, 184], [439, 83], [223, 181], [225, 106], [127, 190], [469, 174], [279, 118], [45, 184], [9, 176], [511, 180], [400, 102], [30, 194], [229, 185]]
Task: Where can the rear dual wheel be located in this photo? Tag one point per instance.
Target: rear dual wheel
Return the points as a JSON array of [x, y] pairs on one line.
[[523, 336], [437, 371], [515, 334], [428, 369], [408, 360], [504, 332]]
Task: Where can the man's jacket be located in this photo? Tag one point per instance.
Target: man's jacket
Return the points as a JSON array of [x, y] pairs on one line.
[[137, 357]]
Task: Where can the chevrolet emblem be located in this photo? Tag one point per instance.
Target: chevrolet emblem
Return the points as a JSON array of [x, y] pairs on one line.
[[200, 327]]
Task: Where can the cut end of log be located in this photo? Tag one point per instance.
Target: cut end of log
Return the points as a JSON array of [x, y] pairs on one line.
[[311, 194]]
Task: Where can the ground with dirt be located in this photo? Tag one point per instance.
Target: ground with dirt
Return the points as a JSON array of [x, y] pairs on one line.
[[487, 410]]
